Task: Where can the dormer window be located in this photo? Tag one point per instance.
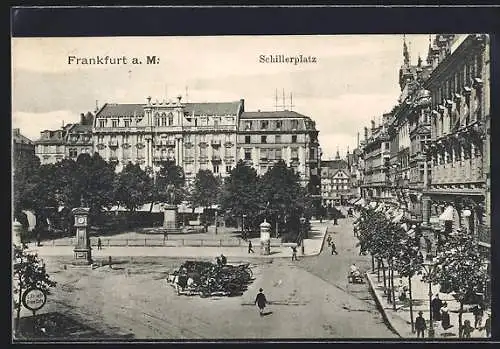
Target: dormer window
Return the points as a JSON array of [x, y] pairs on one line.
[[264, 124], [114, 123], [278, 124], [295, 124], [126, 123], [102, 122], [248, 125]]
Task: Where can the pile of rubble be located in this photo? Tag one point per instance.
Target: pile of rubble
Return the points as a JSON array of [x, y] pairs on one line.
[[208, 279]]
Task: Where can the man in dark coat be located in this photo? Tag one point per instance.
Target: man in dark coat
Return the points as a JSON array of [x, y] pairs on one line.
[[250, 247], [261, 301], [420, 325], [436, 305]]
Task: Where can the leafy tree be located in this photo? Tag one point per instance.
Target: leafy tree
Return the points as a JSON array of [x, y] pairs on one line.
[[28, 272], [131, 186], [168, 185], [408, 264], [282, 195], [240, 195], [460, 269], [24, 169], [206, 192]]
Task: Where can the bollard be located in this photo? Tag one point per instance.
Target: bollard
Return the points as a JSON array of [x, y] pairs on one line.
[[144, 241], [109, 261]]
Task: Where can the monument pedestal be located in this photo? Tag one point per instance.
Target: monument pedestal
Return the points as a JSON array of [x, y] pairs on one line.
[[83, 256], [170, 218]]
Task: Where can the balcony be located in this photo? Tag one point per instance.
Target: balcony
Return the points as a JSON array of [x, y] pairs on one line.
[[216, 158], [484, 234], [188, 160], [113, 143], [203, 159], [215, 142]]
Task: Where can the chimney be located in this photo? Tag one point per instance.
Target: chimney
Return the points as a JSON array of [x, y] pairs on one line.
[[82, 119], [179, 97], [242, 105], [373, 124], [366, 133]]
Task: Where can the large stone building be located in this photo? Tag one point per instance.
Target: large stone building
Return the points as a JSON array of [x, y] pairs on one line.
[[193, 135], [335, 181], [79, 137], [458, 191], [266, 137], [22, 148], [51, 146]]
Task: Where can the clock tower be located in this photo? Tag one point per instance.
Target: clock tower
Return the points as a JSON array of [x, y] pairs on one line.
[[83, 255]]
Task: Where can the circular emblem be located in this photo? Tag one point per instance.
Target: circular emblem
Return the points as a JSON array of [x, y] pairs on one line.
[[34, 299], [81, 220]]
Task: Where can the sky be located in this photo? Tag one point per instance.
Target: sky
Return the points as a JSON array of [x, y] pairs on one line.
[[354, 78]]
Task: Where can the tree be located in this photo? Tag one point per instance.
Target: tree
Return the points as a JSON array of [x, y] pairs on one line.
[[29, 272], [25, 168], [169, 184], [408, 264], [460, 269], [131, 186], [240, 195], [282, 195], [206, 192]]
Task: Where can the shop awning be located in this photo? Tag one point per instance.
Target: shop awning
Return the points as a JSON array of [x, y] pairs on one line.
[[360, 202], [447, 214], [398, 217]]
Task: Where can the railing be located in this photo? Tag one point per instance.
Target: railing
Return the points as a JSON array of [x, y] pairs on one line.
[[160, 242]]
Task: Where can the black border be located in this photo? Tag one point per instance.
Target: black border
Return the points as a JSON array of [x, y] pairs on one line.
[[163, 21]]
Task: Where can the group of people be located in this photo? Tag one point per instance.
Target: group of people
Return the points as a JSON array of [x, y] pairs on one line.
[[332, 245], [440, 313]]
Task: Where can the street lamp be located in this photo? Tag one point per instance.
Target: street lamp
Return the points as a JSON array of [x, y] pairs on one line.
[[429, 268], [302, 222]]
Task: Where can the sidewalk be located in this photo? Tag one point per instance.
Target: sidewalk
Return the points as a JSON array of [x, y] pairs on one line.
[[312, 247], [399, 320]]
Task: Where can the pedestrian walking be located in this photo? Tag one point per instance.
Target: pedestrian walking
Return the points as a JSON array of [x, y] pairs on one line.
[[487, 325], [420, 325], [334, 248], [478, 315], [99, 244], [250, 247], [110, 262], [467, 329], [329, 240], [436, 305], [294, 253], [445, 317], [261, 301], [223, 259]]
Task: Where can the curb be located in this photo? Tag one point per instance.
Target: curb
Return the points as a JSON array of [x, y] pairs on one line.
[[380, 306]]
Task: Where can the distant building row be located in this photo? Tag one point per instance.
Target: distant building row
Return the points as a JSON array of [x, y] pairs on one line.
[[431, 153], [213, 136]]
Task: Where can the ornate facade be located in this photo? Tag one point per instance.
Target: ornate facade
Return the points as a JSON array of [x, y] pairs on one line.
[[460, 140], [266, 137], [193, 135]]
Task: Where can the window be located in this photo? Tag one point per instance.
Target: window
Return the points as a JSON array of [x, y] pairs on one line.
[[248, 125], [248, 154], [277, 139], [73, 153], [203, 152], [228, 168], [263, 139], [216, 122], [114, 123], [102, 122], [294, 138], [263, 154], [278, 154], [126, 123], [216, 168], [278, 124], [100, 139], [170, 119], [295, 124], [295, 153], [270, 154], [247, 139], [264, 124], [139, 138]]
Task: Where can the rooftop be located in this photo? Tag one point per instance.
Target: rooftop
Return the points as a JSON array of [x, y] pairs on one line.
[[217, 108], [288, 114], [122, 109], [19, 138]]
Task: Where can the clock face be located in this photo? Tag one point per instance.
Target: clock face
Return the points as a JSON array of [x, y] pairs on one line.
[[81, 220]]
